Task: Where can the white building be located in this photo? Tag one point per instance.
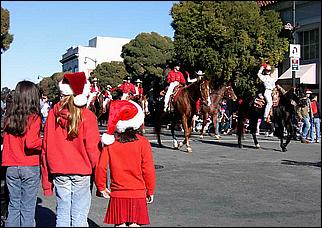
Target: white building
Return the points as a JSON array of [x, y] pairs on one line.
[[86, 58]]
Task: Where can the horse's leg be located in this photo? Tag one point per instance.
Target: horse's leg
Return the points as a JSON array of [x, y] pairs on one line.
[[240, 129], [186, 122], [157, 129], [204, 121], [290, 133], [174, 138], [253, 128]]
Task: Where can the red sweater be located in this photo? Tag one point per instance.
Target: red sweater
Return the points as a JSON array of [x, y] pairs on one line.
[[131, 167], [69, 156], [23, 150], [176, 76]]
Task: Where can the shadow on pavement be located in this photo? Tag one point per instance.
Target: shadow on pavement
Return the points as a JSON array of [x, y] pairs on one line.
[[45, 217], [298, 163]]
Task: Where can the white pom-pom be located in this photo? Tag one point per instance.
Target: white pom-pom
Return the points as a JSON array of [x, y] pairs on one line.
[[80, 100], [107, 139]]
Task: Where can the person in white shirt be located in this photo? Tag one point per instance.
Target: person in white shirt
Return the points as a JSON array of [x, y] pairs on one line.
[[269, 80]]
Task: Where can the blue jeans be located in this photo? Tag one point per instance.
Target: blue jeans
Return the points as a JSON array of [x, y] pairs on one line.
[[23, 184], [73, 199], [305, 127], [315, 123]]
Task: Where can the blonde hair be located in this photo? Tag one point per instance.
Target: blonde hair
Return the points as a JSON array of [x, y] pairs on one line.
[[73, 115]]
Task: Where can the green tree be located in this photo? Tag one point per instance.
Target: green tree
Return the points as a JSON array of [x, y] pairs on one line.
[[6, 37], [147, 55], [49, 86], [110, 73], [226, 37]]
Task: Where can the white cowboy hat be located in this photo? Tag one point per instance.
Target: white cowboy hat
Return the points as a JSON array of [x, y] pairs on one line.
[[138, 81], [108, 86], [200, 73], [94, 79]]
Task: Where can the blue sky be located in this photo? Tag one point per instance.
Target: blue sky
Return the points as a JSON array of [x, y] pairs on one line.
[[44, 30]]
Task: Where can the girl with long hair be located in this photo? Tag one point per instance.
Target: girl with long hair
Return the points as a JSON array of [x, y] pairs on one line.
[[21, 154], [70, 151]]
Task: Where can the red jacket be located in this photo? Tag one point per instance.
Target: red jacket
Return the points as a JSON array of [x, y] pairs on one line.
[[139, 91], [127, 87], [131, 168], [68, 156], [176, 76], [95, 89], [23, 150]]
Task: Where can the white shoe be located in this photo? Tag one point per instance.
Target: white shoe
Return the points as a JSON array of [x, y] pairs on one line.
[[271, 134]]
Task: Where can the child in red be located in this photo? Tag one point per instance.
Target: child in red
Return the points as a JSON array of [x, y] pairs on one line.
[[21, 154], [70, 152], [128, 156]]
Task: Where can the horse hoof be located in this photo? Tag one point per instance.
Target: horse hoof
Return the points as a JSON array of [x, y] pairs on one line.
[[180, 144], [284, 149], [201, 136], [257, 146], [217, 137], [189, 150], [175, 144], [240, 146]]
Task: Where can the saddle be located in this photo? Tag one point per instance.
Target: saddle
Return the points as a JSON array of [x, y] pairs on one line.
[[174, 96]]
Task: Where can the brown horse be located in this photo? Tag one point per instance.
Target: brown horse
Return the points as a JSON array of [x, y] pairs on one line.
[[143, 102], [96, 106], [183, 110], [215, 97]]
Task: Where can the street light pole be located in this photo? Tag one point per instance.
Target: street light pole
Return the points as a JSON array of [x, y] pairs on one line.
[[94, 60], [294, 41]]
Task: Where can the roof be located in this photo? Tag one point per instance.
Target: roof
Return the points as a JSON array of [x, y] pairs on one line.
[[306, 74], [264, 3]]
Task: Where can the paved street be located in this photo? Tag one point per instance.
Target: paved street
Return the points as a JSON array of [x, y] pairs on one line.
[[219, 184]]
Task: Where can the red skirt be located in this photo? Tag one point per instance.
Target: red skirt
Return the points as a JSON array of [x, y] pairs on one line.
[[121, 210]]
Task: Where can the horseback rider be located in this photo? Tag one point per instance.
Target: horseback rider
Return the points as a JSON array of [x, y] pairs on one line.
[[138, 94], [174, 78], [197, 76], [94, 91], [107, 96], [269, 80], [127, 88]]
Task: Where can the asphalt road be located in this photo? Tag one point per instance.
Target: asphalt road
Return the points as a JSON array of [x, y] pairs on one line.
[[221, 185]]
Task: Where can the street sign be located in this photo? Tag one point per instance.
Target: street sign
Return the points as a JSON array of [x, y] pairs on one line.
[[295, 64], [295, 50]]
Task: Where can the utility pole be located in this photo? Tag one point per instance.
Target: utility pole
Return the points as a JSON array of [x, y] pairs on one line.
[[294, 41]]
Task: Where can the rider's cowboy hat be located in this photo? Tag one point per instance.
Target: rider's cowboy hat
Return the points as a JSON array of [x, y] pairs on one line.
[[109, 86], [200, 73], [138, 81], [94, 79]]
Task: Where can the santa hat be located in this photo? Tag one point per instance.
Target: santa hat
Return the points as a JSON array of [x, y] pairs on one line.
[[123, 114], [75, 84]]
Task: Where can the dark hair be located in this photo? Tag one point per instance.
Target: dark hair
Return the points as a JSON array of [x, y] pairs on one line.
[[26, 101], [129, 135]]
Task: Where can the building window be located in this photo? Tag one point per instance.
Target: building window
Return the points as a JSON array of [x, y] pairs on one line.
[[309, 41]]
